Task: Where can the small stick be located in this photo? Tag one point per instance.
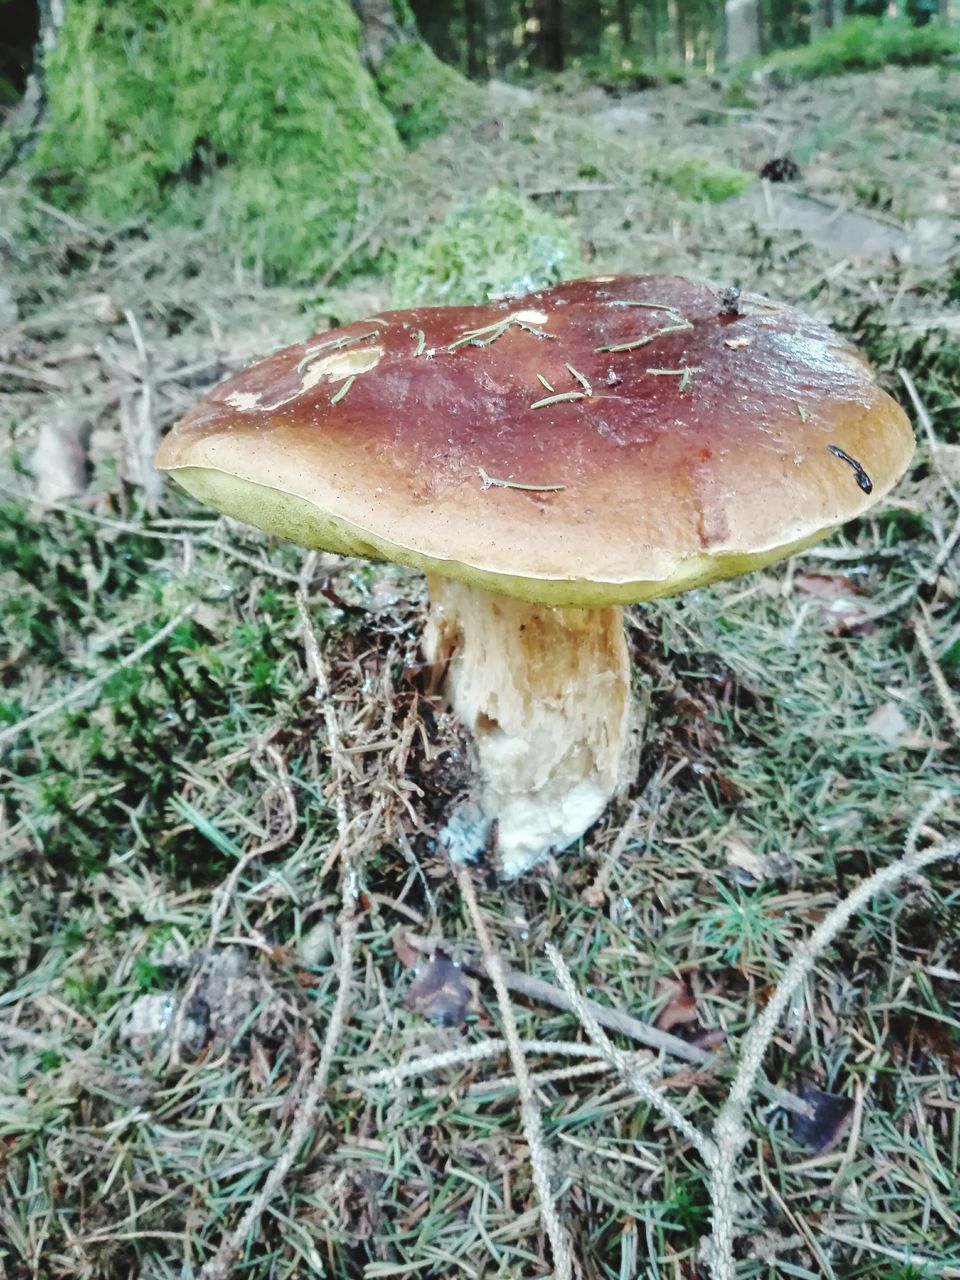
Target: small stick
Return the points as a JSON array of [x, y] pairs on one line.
[[357, 243], [559, 398], [622, 1064], [613, 1019], [492, 482], [946, 695], [529, 1107], [926, 422], [464, 1057], [218, 1268], [595, 894]]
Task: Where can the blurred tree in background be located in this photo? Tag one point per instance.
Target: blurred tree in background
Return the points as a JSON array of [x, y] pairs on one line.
[[278, 123], [507, 37]]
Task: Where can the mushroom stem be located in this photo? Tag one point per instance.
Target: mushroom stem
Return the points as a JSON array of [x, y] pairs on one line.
[[546, 694]]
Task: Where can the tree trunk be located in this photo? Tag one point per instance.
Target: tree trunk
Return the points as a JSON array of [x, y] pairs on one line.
[[550, 42], [380, 30], [944, 11], [22, 126], [475, 21], [743, 29], [653, 20], [624, 16]]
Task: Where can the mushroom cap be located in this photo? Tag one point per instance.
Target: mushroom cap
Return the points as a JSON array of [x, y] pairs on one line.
[[606, 440]]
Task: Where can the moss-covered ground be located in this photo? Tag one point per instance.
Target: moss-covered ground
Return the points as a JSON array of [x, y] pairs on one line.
[[255, 118], [795, 730]]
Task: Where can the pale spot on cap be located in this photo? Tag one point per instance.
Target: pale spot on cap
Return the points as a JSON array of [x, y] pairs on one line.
[[531, 317], [340, 365], [854, 360], [242, 400]]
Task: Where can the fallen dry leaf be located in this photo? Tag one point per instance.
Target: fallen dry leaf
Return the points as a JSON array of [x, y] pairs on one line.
[[741, 857], [889, 723], [842, 609], [680, 1007], [831, 1117], [752, 867], [405, 951], [441, 993]]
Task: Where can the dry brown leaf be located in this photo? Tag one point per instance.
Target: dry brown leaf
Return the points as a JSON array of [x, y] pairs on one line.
[[841, 610], [743, 858], [441, 993], [404, 950], [680, 1007], [831, 1117]]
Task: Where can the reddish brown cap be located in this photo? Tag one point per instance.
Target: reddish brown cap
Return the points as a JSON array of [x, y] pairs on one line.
[[605, 440]]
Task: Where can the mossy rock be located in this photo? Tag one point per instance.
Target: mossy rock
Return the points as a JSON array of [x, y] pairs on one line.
[[261, 112], [499, 244], [695, 175]]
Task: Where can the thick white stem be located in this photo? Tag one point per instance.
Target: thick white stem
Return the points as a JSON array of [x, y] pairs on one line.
[[546, 694]]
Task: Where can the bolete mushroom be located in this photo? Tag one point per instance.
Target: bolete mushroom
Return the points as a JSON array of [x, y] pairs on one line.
[[546, 460]]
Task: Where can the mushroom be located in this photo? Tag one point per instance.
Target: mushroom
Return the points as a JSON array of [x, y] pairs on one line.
[[546, 460]]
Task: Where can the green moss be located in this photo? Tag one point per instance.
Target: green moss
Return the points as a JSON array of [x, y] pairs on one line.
[[259, 115], [629, 73], [423, 94], [865, 44], [695, 176], [497, 244]]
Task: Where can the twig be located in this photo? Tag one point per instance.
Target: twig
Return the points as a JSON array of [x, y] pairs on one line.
[[927, 423], [622, 1063], [81, 691], [43, 377], [613, 1019], [465, 1056], [218, 1268], [316, 667], [537, 1078], [26, 1039], [572, 188], [223, 896], [595, 893], [529, 1107], [908, 1258], [946, 695], [721, 1151], [946, 551], [344, 256], [545, 993], [729, 1132]]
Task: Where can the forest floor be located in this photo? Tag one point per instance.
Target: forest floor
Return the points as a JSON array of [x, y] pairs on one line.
[[159, 1022]]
